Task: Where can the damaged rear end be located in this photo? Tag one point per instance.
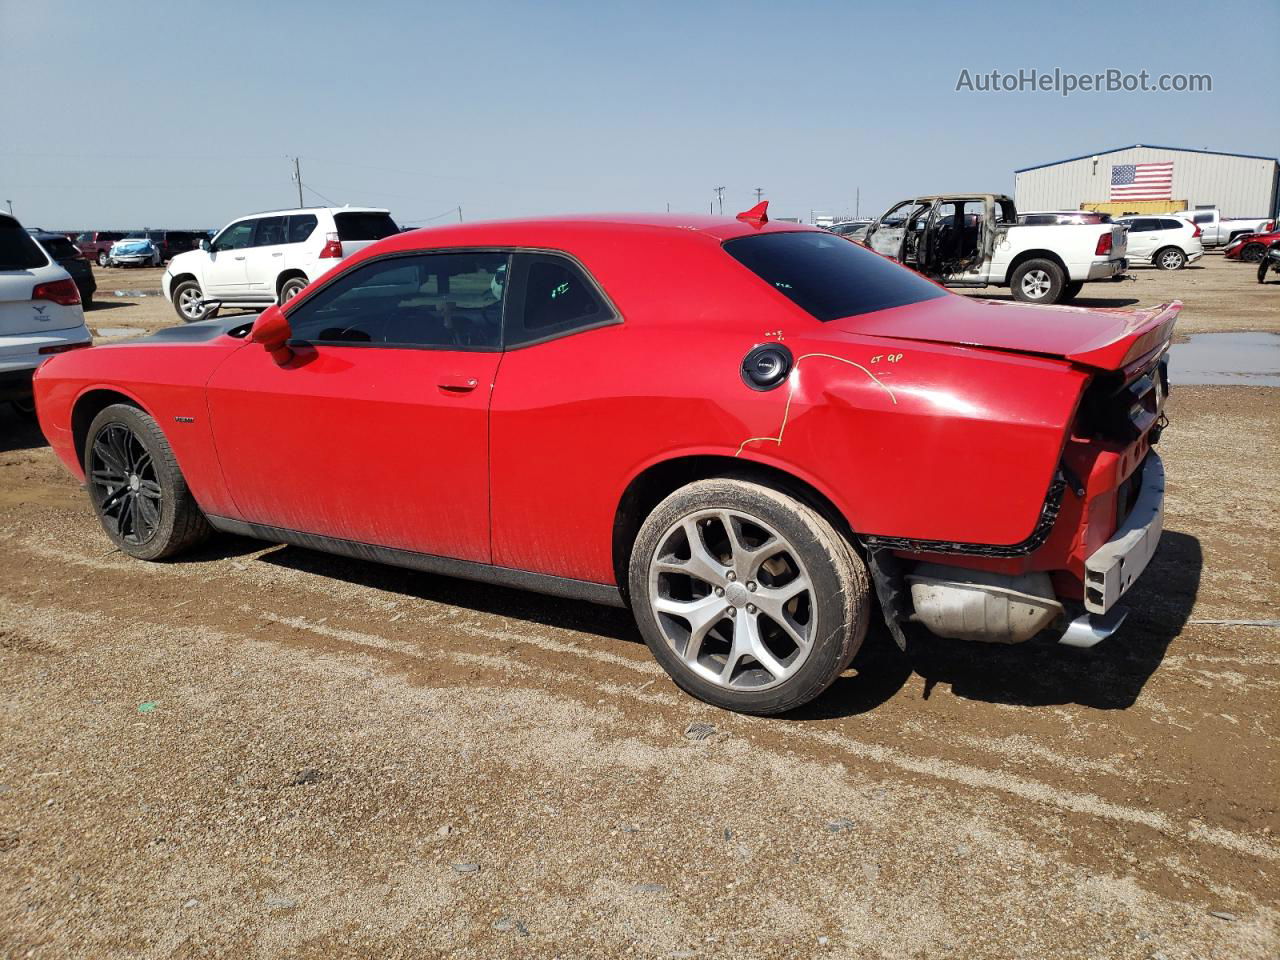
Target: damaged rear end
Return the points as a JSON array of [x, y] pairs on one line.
[[1101, 522]]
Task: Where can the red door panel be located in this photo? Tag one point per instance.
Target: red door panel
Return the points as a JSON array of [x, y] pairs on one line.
[[380, 445]]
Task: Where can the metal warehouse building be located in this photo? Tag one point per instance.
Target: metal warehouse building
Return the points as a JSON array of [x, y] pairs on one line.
[[1240, 185]]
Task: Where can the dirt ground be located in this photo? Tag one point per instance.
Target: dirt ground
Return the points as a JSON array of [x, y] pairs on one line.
[[264, 751]]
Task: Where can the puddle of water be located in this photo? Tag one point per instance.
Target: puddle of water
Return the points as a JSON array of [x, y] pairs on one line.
[[1250, 359], [109, 333]]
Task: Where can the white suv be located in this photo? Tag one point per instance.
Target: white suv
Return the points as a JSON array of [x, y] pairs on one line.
[[1167, 242], [40, 312], [269, 257]]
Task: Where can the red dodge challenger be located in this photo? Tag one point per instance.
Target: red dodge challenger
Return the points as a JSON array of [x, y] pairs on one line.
[[748, 432]]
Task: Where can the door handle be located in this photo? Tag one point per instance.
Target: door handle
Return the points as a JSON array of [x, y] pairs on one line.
[[239, 258], [458, 384], [278, 253]]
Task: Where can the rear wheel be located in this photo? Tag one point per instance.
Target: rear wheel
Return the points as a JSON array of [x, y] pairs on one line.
[[188, 300], [291, 288], [1252, 252], [136, 488], [1170, 258], [748, 598], [102, 258], [1038, 281]]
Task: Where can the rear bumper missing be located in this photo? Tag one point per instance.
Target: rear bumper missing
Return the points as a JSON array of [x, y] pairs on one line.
[[1115, 566]]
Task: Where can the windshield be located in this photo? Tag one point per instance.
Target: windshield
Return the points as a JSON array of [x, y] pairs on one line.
[[830, 276]]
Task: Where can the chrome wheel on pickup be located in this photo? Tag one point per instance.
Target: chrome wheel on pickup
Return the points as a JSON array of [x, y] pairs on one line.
[[747, 597]]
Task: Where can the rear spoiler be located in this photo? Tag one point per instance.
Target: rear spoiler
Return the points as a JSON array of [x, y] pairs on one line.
[[1148, 331]]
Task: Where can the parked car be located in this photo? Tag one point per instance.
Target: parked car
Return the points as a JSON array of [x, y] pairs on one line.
[[96, 244], [68, 256], [1169, 243], [975, 240], [40, 313], [1049, 218], [1218, 231], [1251, 246], [134, 251], [481, 401], [170, 243], [269, 257]]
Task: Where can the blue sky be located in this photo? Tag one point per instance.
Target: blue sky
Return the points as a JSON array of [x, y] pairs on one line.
[[182, 114]]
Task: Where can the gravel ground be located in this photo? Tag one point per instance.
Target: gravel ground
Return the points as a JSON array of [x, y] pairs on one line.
[[263, 751]]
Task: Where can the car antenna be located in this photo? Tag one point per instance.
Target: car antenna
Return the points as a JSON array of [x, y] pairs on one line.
[[757, 216]]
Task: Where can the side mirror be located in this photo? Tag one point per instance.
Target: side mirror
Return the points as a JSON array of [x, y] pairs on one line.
[[271, 330], [204, 245]]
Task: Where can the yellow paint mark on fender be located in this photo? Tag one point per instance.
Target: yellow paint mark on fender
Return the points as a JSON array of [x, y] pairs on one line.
[[791, 390]]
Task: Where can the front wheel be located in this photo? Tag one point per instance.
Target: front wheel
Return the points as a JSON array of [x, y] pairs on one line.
[[748, 598], [1038, 281], [188, 302], [1252, 252], [1171, 258], [136, 488]]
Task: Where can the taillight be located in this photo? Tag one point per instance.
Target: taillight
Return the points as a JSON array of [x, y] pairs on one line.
[[1268, 226], [63, 292], [63, 348], [1198, 231], [332, 247], [1104, 245]]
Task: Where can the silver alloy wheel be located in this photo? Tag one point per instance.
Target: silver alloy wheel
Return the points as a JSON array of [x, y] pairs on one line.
[[732, 599], [1171, 260], [1036, 284], [189, 303]]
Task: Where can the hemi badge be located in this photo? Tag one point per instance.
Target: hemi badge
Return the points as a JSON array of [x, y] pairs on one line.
[[185, 419]]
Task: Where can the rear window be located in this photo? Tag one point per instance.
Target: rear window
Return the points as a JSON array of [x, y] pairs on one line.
[[17, 250], [829, 276], [365, 226], [60, 248]]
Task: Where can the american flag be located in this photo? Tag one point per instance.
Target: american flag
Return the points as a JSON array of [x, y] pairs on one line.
[[1142, 181]]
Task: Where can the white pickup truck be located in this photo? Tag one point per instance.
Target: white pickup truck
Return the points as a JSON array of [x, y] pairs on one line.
[[974, 240], [1218, 231]]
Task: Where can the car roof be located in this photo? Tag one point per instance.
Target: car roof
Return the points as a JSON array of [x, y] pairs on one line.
[[569, 231], [296, 210]]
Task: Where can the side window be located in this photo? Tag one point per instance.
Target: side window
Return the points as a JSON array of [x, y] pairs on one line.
[[554, 297], [1204, 218], [447, 300], [270, 232], [1170, 224], [301, 226], [1141, 225], [235, 237]]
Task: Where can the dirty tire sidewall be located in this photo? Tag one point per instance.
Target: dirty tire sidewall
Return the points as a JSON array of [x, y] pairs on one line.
[[839, 576], [291, 288], [1053, 277], [182, 524]]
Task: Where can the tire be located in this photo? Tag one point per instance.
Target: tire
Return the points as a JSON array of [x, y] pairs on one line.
[[138, 493], [291, 288], [1170, 258], [1252, 252], [103, 259], [779, 544], [186, 299], [1038, 281], [1071, 290]]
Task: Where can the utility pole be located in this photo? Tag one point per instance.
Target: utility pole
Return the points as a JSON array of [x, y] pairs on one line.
[[857, 204], [759, 193], [720, 198], [297, 177], [459, 213]]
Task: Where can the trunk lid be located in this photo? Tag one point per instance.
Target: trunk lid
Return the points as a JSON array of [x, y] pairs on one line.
[[1102, 339]]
